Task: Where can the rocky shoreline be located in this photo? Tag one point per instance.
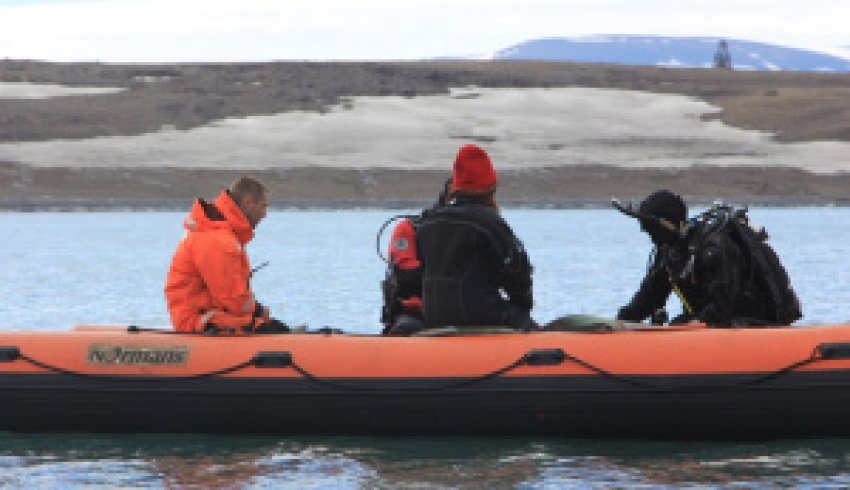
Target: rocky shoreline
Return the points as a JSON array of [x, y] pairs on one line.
[[41, 189], [283, 205]]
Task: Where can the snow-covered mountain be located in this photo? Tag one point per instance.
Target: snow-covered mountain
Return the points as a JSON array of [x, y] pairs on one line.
[[673, 51]]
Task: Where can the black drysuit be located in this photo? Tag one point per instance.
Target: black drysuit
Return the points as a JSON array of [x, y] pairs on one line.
[[712, 274], [470, 256]]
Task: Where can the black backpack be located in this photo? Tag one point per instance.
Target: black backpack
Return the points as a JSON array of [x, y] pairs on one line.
[[769, 276]]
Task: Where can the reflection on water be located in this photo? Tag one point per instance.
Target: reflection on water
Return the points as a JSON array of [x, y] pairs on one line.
[[344, 462]]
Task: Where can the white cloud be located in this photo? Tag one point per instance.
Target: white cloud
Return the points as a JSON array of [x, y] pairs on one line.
[[206, 30]]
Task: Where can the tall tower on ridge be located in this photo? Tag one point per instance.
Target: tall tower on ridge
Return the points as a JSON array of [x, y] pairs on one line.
[[722, 57]]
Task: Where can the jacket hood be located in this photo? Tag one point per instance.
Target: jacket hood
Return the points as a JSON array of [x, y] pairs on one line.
[[222, 214]]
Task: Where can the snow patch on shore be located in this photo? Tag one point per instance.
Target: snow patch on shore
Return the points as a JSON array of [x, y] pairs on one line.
[[20, 90], [520, 128]]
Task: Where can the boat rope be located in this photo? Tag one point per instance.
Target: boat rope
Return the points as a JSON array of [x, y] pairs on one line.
[[107, 377], [528, 358], [336, 384], [818, 353], [609, 374], [256, 360]]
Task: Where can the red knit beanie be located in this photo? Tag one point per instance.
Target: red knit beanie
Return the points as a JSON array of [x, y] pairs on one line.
[[473, 170]]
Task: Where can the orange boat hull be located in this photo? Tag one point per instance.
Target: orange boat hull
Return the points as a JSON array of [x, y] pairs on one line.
[[658, 383]]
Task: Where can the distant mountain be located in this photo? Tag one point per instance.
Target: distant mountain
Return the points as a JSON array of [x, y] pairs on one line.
[[694, 52]]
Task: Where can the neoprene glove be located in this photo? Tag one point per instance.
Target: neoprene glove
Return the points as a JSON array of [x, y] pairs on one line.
[[273, 326]]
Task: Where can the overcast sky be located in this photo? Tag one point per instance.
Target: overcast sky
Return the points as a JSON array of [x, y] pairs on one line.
[[229, 30]]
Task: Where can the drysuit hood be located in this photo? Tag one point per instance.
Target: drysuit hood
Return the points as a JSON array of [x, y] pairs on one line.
[[667, 206]]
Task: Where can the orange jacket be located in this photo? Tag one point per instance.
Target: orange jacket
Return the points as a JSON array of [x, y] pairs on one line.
[[208, 281]]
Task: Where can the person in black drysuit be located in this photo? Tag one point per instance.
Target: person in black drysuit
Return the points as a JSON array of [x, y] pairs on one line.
[[475, 271], [401, 312], [708, 271]]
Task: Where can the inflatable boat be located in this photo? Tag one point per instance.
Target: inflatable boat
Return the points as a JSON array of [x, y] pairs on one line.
[[651, 382]]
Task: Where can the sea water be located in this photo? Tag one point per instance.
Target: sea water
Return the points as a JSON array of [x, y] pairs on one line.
[[58, 270]]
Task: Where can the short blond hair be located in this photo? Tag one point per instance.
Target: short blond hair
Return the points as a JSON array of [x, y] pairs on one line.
[[246, 186]]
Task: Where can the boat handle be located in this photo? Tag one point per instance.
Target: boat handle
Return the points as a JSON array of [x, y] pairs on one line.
[[9, 354], [834, 351], [279, 359], [544, 357]]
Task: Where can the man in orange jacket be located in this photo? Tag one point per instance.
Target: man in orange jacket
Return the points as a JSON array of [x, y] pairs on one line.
[[208, 285]]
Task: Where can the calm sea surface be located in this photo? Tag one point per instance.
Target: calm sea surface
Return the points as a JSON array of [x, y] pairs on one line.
[[63, 269]]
